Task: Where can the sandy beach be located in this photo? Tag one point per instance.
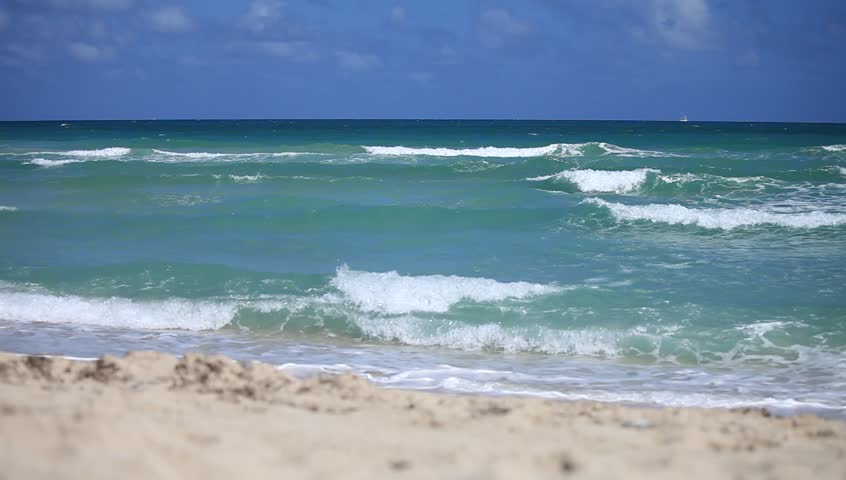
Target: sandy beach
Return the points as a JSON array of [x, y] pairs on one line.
[[153, 415]]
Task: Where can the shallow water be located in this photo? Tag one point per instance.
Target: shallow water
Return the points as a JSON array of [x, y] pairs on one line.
[[650, 262]]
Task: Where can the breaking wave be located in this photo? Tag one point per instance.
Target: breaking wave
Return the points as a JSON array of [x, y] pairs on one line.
[[717, 218], [651, 180], [165, 155], [555, 149], [108, 152], [43, 162], [174, 313], [601, 180], [59, 158], [390, 292]]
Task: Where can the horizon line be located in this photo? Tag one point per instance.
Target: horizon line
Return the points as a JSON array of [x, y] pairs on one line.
[[444, 119]]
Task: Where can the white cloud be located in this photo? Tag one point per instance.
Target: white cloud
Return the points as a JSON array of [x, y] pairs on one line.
[[103, 4], [300, 51], [170, 19], [679, 23], [110, 4], [4, 19], [502, 21], [97, 29], [357, 61], [749, 58], [498, 24], [422, 78], [398, 14], [262, 14], [90, 53], [18, 55]]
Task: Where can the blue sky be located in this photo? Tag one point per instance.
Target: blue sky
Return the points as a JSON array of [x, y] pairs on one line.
[[761, 60]]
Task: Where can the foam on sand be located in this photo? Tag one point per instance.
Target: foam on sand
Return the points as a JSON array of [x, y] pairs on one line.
[[619, 181], [717, 218], [392, 293]]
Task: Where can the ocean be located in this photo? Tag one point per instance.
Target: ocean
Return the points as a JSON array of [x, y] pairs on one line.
[[655, 263]]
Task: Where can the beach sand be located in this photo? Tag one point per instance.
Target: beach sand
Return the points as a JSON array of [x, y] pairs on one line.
[[152, 415]]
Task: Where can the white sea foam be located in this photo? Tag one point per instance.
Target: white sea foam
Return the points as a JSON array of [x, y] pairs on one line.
[[694, 177], [618, 151], [618, 181], [194, 156], [665, 398], [834, 148], [717, 218], [760, 329], [411, 330], [108, 153], [392, 293], [115, 312], [494, 152], [8, 209], [98, 153], [43, 162], [247, 178], [555, 149]]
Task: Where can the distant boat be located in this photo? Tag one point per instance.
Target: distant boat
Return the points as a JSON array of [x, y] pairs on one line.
[[683, 118]]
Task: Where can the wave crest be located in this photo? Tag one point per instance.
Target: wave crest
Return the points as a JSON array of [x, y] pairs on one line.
[[392, 293], [717, 218], [834, 148], [199, 156], [116, 312], [97, 153], [555, 149], [617, 181]]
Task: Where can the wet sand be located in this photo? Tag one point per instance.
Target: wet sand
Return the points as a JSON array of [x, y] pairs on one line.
[[153, 415]]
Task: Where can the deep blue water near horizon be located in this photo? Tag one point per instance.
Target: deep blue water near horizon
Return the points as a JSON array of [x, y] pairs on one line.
[[665, 263]]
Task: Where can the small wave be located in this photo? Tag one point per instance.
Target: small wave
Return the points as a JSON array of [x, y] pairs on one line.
[[98, 153], [43, 162], [492, 152], [223, 156], [555, 149], [173, 313], [619, 181], [392, 293], [618, 151], [834, 148], [692, 177], [410, 330], [8, 209], [647, 179], [717, 218], [247, 178]]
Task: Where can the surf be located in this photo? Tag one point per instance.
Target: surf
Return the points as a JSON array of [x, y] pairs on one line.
[[716, 218], [554, 150]]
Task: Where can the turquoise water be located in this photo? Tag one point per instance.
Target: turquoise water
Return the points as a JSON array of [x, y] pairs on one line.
[[651, 262]]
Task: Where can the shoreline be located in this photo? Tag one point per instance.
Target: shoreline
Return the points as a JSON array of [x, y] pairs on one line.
[[156, 415]]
